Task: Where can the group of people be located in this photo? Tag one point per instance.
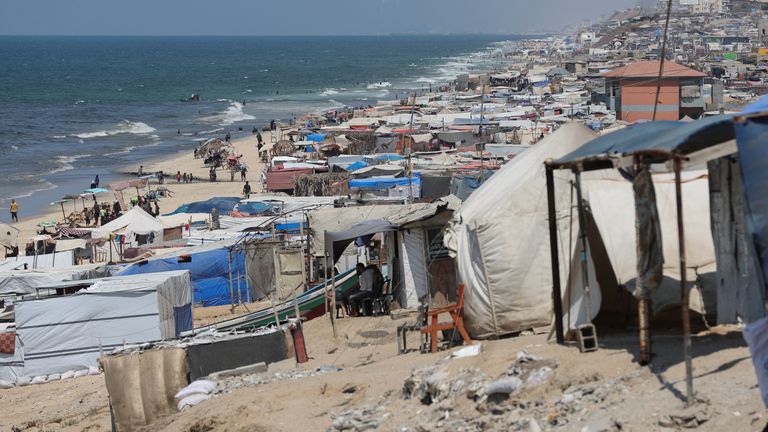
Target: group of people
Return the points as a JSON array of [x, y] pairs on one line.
[[183, 177], [101, 213]]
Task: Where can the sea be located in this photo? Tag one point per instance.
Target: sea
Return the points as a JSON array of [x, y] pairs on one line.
[[75, 107]]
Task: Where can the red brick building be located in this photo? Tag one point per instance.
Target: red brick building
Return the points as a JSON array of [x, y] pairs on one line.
[[631, 91]]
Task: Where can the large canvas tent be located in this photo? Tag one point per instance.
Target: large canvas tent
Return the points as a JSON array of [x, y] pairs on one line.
[[59, 334], [500, 238]]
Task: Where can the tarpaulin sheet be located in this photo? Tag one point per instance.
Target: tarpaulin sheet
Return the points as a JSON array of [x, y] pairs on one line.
[[142, 385], [385, 182], [751, 138], [318, 137], [650, 255], [223, 204], [209, 271]]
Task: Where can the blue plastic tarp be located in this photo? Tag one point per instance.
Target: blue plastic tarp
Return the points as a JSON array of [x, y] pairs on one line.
[[384, 182], [209, 271], [254, 207], [223, 204], [751, 139], [386, 157], [318, 137], [356, 166], [760, 106]]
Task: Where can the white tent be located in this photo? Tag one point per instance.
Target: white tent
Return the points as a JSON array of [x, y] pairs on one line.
[[135, 222], [58, 334], [500, 238]]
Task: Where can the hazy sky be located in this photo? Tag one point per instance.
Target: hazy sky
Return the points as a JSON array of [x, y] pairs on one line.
[[294, 17]]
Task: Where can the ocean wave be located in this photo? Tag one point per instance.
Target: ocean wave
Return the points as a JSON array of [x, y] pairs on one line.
[[65, 162], [234, 113], [426, 80], [212, 131], [46, 185], [14, 148], [126, 150], [382, 84], [59, 136], [329, 92], [124, 127]]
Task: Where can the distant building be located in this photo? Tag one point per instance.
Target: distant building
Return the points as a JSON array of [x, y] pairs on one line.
[[631, 91]]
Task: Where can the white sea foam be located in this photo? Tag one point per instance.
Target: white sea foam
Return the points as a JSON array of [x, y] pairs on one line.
[[46, 186], [382, 84], [125, 150], [426, 80], [65, 162], [212, 131], [328, 92], [59, 136], [14, 148], [234, 113], [124, 127]]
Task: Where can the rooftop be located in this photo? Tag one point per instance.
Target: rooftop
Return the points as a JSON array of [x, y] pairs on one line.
[[650, 69]]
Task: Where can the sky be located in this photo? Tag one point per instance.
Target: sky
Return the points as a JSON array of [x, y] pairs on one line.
[[296, 17]]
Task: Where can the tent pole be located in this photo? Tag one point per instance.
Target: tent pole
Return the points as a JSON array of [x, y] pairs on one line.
[[325, 271], [231, 287], [333, 295], [583, 255], [643, 303], [557, 300], [239, 295], [683, 288]]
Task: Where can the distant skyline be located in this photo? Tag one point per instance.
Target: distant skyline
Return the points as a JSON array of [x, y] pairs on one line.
[[296, 17]]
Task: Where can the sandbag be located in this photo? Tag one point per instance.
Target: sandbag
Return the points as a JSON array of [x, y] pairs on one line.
[[7, 384], [68, 375], [93, 370], [196, 387], [42, 379], [54, 377], [81, 373], [23, 381], [192, 400]]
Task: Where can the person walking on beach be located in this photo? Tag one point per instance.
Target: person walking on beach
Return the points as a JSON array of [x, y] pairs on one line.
[[227, 137], [178, 176], [96, 214], [87, 215], [14, 211], [243, 170], [272, 125], [246, 190]]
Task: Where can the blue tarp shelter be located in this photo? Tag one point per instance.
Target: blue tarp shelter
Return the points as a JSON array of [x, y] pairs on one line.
[[223, 204], [385, 157], [316, 137], [356, 166], [209, 271], [384, 182]]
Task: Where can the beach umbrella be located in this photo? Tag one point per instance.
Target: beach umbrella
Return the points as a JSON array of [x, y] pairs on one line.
[[61, 203]]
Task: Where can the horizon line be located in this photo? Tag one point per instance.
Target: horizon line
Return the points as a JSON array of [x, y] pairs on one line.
[[542, 33]]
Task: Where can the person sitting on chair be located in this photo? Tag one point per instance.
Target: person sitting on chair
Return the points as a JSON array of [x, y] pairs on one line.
[[370, 283]]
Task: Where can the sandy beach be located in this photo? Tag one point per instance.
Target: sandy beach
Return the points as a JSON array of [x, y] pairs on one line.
[[181, 193]]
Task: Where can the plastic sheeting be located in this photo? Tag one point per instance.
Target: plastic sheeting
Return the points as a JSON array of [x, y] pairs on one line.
[[209, 271], [751, 136], [68, 333], [386, 182], [223, 204], [134, 222]]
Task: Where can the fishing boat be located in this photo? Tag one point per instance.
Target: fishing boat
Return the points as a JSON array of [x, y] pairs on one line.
[[311, 304]]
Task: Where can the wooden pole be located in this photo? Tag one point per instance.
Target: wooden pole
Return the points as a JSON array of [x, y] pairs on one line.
[[684, 299], [231, 287], [583, 254], [333, 295], [239, 295], [325, 282], [557, 301]]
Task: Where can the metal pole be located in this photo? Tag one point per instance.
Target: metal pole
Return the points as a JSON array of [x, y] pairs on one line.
[[583, 255], [684, 289], [231, 287], [557, 301], [239, 295], [248, 287]]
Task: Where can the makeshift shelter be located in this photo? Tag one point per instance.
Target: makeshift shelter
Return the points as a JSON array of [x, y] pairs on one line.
[[223, 204], [138, 227], [59, 334], [209, 270], [499, 238]]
